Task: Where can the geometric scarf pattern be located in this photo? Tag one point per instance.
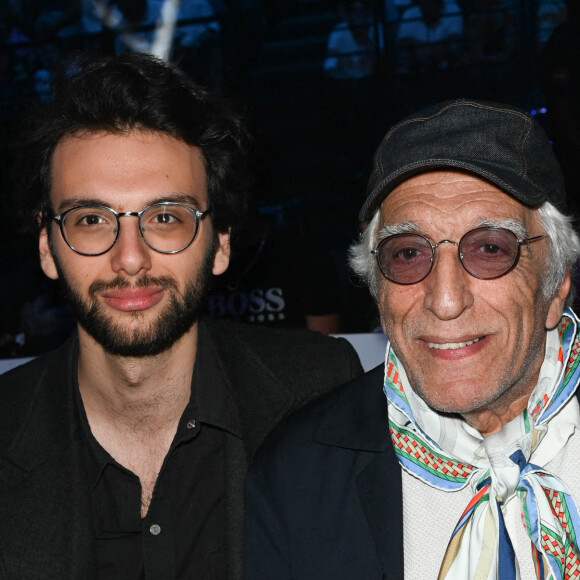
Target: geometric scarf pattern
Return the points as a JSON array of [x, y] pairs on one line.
[[439, 450]]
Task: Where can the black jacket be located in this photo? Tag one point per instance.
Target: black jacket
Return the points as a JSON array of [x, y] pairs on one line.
[[324, 494], [44, 499]]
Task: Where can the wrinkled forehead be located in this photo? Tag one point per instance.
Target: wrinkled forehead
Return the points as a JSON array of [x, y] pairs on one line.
[[453, 202]]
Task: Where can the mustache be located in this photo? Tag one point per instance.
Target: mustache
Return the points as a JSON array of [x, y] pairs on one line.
[[120, 283]]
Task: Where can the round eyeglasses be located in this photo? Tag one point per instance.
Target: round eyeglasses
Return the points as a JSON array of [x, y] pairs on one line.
[[166, 227], [485, 253]]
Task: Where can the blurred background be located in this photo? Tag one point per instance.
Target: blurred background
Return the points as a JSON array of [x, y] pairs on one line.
[[319, 83]]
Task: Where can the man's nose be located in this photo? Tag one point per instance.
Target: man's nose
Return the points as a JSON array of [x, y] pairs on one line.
[[130, 254], [448, 285]]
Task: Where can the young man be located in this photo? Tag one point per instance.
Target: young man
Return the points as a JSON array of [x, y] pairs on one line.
[[428, 466], [122, 454]]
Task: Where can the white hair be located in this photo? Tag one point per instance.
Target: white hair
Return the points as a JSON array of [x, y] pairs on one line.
[[564, 251]]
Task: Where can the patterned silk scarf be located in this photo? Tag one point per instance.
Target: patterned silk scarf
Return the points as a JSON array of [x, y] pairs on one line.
[[447, 454]]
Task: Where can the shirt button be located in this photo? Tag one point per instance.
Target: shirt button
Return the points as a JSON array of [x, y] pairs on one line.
[[191, 424], [155, 529]]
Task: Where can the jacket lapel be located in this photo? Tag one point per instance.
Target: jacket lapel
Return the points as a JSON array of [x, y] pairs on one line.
[[359, 421], [380, 492]]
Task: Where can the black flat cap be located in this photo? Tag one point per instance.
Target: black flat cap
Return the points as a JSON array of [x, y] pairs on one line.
[[499, 143]]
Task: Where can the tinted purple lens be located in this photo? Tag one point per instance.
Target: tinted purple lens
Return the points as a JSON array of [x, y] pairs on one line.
[[405, 258], [488, 252]]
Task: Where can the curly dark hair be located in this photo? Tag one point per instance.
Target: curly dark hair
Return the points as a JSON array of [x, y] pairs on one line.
[[118, 94]]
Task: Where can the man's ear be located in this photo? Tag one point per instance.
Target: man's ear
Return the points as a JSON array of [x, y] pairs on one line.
[[558, 302], [221, 259], [46, 259]]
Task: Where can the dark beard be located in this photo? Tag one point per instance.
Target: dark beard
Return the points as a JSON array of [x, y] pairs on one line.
[[159, 335]]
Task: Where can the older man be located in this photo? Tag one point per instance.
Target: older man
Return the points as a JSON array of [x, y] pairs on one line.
[[123, 453], [456, 458]]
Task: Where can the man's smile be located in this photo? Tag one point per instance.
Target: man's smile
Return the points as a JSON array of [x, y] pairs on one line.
[[454, 348], [452, 345]]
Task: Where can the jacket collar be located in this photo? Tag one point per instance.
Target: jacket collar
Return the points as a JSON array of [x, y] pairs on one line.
[[261, 399], [358, 419]]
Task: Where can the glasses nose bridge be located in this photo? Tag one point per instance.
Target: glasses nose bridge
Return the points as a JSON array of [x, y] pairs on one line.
[[435, 246], [121, 214], [456, 244], [136, 214]]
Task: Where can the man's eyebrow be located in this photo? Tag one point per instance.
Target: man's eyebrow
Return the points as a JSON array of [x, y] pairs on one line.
[[516, 226], [409, 227], [186, 198], [70, 202]]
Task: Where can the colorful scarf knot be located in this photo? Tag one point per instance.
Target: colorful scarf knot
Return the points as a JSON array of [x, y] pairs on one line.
[[446, 454]]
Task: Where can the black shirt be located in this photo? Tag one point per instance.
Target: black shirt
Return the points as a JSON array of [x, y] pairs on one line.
[[182, 536]]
